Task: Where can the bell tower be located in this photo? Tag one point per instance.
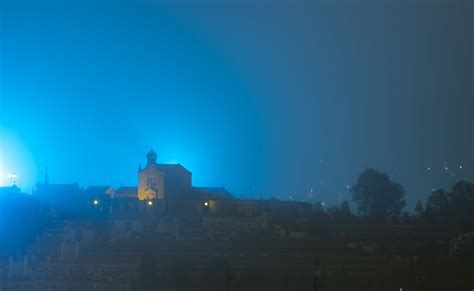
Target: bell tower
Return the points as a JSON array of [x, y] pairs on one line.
[[150, 179]]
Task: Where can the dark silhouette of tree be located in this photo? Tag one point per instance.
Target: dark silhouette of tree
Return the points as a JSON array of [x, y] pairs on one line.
[[455, 207], [341, 214], [345, 209], [377, 196], [419, 208], [438, 201], [437, 207], [462, 203], [319, 207]]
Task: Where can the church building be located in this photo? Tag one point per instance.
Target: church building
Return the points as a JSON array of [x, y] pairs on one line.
[[160, 181], [164, 187]]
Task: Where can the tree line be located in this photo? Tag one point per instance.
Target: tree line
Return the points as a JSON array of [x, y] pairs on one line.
[[379, 198]]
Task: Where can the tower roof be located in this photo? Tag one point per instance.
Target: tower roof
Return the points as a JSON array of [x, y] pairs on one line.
[[151, 157]]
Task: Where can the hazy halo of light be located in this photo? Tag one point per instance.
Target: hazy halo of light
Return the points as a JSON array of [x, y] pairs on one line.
[[1, 172], [16, 159], [234, 102]]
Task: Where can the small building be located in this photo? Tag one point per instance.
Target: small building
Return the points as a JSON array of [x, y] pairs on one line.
[[126, 192], [100, 192], [68, 199], [157, 181]]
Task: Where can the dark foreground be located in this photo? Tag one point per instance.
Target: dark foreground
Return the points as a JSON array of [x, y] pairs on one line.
[[127, 255]]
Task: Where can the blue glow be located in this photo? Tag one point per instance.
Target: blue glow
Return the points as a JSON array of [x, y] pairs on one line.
[[16, 159], [263, 99]]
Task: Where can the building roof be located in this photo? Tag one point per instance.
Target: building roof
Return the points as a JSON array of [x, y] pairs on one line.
[[124, 191], [151, 156], [172, 167], [74, 187], [98, 190]]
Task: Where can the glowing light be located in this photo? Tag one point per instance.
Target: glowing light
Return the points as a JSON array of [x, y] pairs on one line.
[[429, 169], [150, 203], [206, 203], [348, 187], [12, 176], [446, 168], [95, 202], [460, 167]]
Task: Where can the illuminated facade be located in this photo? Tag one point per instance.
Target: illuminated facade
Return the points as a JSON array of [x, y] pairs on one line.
[[160, 181], [151, 179]]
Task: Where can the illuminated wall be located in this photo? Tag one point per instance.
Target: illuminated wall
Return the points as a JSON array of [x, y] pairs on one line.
[[151, 180]]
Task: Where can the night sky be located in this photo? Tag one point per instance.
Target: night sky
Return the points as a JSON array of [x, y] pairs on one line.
[[268, 98]]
